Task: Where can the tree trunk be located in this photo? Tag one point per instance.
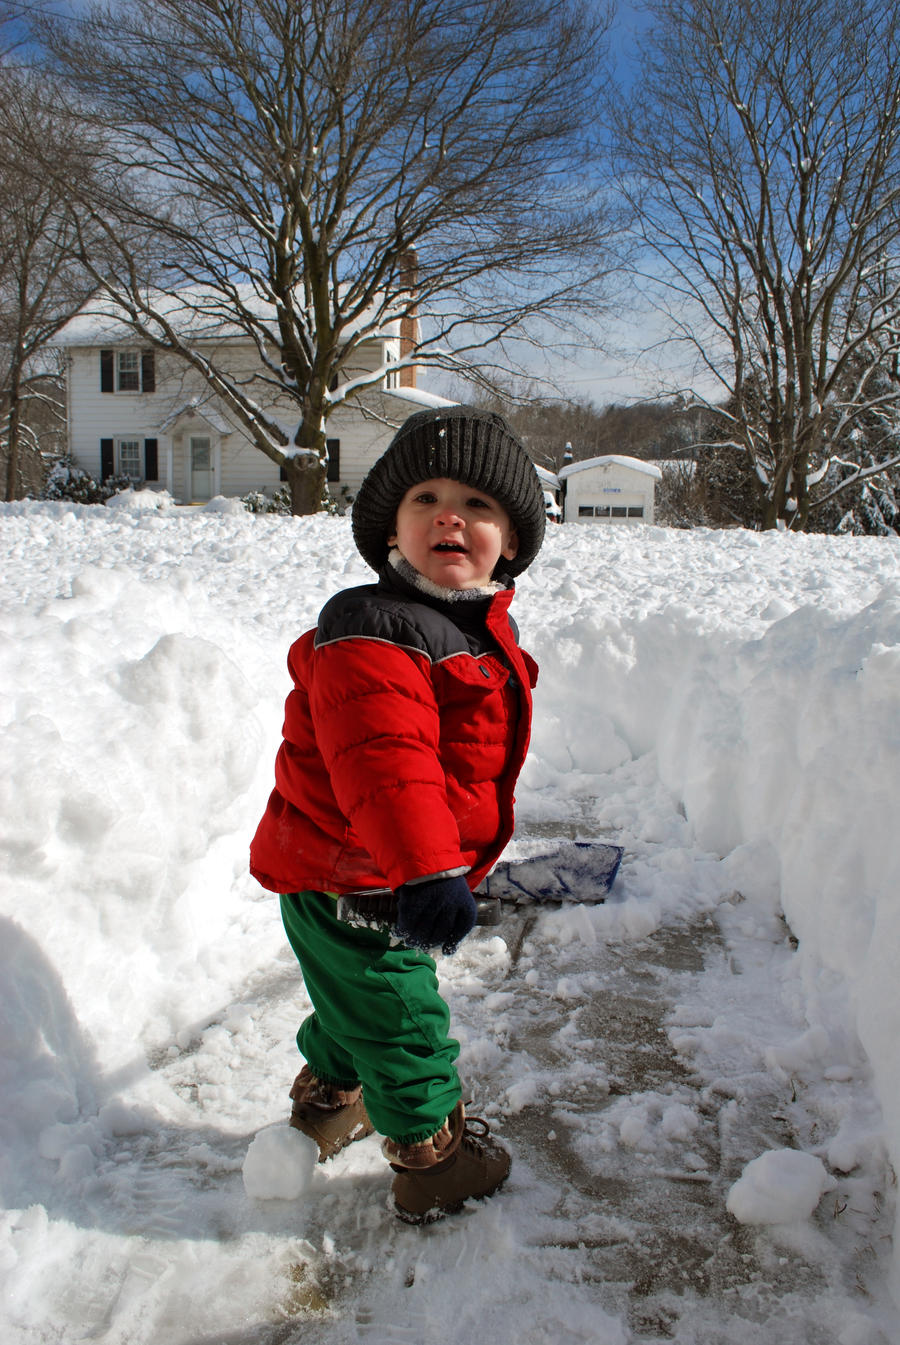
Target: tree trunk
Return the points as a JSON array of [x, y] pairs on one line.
[[306, 482], [776, 513], [12, 459], [789, 486], [306, 471]]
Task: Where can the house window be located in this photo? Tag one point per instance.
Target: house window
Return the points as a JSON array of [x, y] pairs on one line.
[[129, 458], [585, 511], [127, 371], [619, 511], [134, 458], [635, 511], [392, 377]]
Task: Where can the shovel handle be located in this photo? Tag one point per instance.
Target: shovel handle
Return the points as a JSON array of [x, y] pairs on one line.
[[489, 912]]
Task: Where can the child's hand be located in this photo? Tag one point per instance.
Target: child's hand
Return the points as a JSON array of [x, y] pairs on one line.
[[441, 912]]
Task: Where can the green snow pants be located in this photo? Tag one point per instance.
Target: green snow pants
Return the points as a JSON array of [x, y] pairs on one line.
[[378, 1019]]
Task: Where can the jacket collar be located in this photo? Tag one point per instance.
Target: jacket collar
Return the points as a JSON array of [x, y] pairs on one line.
[[415, 580], [471, 610]]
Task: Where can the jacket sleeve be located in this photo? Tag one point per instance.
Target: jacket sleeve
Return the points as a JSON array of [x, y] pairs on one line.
[[378, 729]]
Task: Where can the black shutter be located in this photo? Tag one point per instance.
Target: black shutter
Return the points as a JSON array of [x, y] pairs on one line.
[[148, 372], [151, 460], [107, 371], [282, 474], [107, 459], [334, 459]]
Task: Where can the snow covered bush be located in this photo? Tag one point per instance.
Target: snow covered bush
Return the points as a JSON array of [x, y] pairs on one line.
[[339, 504], [258, 502], [67, 481], [870, 509]]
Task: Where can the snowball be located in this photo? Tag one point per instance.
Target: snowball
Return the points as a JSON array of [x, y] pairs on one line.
[[280, 1164], [782, 1186]]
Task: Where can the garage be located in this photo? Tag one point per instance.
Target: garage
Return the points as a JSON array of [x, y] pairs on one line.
[[609, 489]]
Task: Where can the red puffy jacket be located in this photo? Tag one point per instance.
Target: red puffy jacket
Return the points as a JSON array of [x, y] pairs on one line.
[[403, 738]]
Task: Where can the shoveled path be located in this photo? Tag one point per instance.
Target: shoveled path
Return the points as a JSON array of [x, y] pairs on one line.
[[616, 1222], [661, 1247]]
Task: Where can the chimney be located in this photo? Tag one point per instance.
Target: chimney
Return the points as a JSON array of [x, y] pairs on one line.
[[409, 324]]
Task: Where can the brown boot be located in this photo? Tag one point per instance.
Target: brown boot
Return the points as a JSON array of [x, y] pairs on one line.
[[457, 1164], [333, 1117]]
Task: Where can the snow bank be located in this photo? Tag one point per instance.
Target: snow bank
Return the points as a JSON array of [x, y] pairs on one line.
[[764, 673], [792, 743], [786, 744], [142, 667], [784, 749]]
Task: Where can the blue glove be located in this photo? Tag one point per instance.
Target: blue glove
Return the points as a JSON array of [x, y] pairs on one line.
[[439, 911]]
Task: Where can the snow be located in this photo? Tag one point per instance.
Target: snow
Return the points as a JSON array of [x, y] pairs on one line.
[[782, 1186], [611, 460], [195, 312], [280, 1164], [725, 705], [418, 396], [547, 477]]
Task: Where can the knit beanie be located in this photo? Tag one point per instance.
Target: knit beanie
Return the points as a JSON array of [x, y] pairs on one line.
[[460, 443]]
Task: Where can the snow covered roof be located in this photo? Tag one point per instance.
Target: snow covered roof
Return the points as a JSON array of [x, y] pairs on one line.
[[548, 479], [197, 312], [611, 460], [420, 397]]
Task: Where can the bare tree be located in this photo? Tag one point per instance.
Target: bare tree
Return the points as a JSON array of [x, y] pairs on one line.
[[41, 283], [309, 171], [760, 148]]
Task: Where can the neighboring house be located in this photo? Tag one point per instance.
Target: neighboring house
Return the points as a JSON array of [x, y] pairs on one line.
[[609, 489], [148, 415]]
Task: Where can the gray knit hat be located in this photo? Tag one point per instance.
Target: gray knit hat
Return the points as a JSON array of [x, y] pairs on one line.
[[462, 444]]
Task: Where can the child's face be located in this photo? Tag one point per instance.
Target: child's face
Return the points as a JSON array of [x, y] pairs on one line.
[[453, 534]]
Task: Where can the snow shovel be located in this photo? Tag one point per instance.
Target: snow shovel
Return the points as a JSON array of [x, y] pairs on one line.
[[582, 871]]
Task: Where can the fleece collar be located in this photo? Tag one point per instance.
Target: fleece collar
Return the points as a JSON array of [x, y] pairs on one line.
[[412, 576]]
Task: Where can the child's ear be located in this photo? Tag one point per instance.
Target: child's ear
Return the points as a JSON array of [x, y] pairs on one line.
[[511, 550]]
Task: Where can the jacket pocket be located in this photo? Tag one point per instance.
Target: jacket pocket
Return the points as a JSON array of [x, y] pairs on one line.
[[486, 672]]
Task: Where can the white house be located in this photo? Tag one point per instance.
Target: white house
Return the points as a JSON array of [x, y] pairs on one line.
[[609, 489], [149, 415]]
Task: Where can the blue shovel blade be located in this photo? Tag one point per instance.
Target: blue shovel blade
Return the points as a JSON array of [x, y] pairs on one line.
[[575, 871]]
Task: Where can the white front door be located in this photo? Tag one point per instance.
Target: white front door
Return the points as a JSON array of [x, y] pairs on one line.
[[201, 468]]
